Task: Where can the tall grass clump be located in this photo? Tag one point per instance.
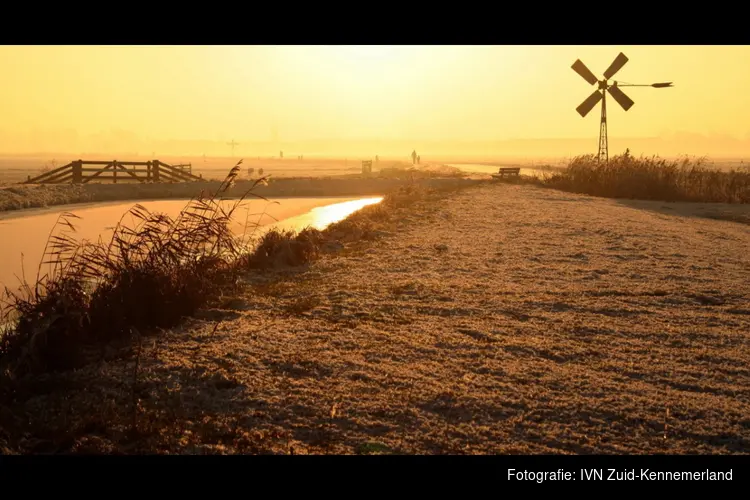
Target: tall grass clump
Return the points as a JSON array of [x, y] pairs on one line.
[[654, 178], [284, 248], [151, 273]]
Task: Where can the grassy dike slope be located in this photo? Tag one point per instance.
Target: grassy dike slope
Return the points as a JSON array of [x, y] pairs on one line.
[[502, 319]]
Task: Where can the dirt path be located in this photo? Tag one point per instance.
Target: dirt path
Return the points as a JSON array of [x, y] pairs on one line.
[[510, 319]]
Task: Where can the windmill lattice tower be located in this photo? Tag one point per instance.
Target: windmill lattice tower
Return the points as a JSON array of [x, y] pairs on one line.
[[600, 94]]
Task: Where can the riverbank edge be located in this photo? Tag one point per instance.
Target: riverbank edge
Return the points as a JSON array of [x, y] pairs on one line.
[[20, 197]]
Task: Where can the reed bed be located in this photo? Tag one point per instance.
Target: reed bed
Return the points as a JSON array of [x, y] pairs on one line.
[[651, 178]]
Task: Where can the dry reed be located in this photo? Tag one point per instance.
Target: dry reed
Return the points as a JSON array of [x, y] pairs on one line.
[[654, 178]]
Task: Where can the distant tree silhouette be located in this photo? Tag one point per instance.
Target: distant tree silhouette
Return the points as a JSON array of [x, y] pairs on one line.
[[260, 172], [250, 171]]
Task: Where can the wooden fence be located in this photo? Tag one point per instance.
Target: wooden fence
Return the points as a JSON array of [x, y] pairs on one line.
[[185, 167], [83, 171]]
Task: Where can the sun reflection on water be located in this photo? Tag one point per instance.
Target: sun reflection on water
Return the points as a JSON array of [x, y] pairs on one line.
[[321, 217], [325, 216]]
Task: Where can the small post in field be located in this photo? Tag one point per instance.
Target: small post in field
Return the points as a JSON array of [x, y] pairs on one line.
[[366, 167]]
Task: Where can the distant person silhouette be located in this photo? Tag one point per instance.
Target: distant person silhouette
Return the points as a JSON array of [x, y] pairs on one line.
[[419, 158], [377, 159], [281, 154], [413, 157]]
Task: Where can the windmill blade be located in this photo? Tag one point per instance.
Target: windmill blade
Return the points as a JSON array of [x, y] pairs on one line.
[[586, 73], [619, 96], [618, 63], [591, 101]]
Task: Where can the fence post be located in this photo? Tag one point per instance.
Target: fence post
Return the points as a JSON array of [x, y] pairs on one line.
[[155, 170], [114, 172], [78, 172]]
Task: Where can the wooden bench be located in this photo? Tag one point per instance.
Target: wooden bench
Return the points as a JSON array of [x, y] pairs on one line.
[[509, 171]]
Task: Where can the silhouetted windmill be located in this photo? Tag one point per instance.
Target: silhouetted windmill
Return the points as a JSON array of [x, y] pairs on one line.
[[601, 95], [232, 144]]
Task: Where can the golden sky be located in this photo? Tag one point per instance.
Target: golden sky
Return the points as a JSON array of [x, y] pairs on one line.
[[55, 95]]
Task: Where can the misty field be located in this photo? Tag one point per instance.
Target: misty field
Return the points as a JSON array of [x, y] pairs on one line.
[[624, 176], [15, 169], [389, 176], [495, 319]]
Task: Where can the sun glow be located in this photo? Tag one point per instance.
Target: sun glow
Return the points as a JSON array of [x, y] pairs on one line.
[[339, 93]]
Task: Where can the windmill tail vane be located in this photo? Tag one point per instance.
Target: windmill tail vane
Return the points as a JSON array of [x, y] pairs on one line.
[[600, 94]]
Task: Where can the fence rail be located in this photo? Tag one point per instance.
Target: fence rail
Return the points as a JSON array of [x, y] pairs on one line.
[[84, 171]]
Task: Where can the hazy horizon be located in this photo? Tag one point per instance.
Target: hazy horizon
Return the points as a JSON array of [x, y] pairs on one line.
[[669, 146]]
